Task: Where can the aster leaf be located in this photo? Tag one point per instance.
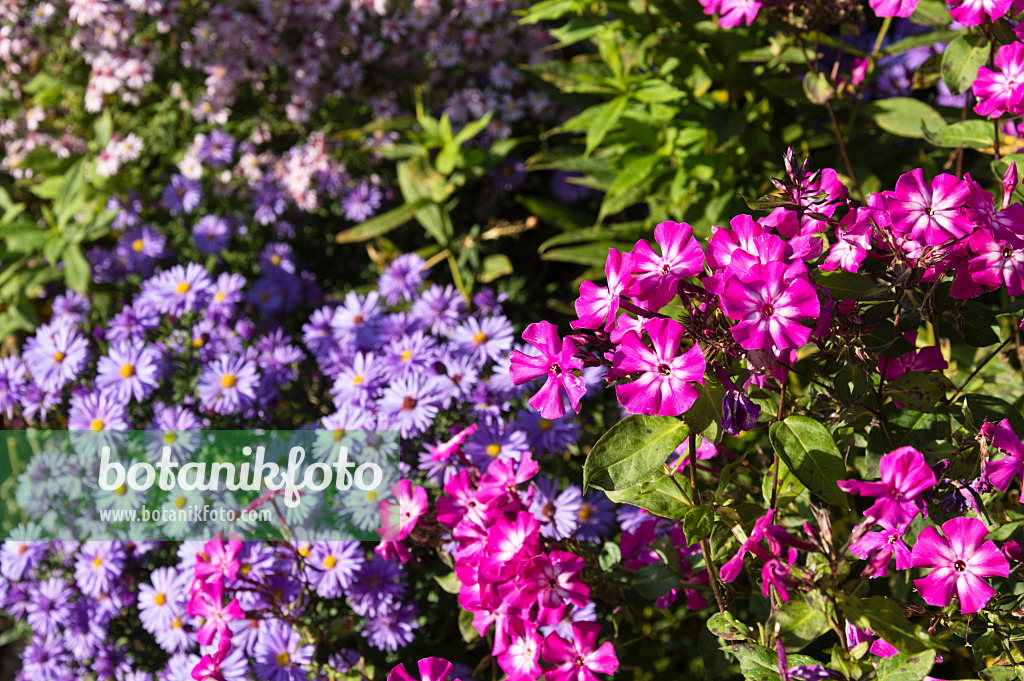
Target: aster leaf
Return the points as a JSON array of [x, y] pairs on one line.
[[632, 450], [906, 667], [807, 448]]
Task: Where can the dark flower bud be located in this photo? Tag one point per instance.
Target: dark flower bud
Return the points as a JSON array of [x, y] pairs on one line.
[[739, 413]]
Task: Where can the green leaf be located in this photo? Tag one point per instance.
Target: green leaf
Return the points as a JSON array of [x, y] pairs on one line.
[[961, 61], [548, 9], [980, 408], [931, 13], [610, 556], [698, 523], [633, 173], [849, 285], [1002, 674], [817, 88], [593, 255], [905, 667], [606, 117], [70, 190], [809, 451], [381, 224], [705, 416], [725, 625], [970, 134], [76, 268], [801, 622], [472, 129], [655, 580], [495, 266], [919, 390], [920, 40], [449, 582], [761, 664], [905, 116], [102, 128], [657, 90], [632, 450], [466, 628], [850, 383], [661, 496], [886, 619]]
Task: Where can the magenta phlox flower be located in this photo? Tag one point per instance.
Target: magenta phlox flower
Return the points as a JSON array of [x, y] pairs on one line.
[[555, 583], [208, 602], [851, 246], [770, 301], [509, 542], [431, 669], [905, 476], [657, 275], [775, 574], [443, 452], [597, 305], [1003, 90], [929, 213], [521, 656], [882, 546], [731, 569], [922, 359], [1001, 472], [558, 362], [894, 8], [665, 386], [579, 659], [976, 12], [208, 668], [219, 560], [399, 517], [997, 263], [961, 560]]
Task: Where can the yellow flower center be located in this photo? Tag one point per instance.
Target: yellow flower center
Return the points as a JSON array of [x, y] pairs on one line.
[[275, 259], [546, 424], [494, 449], [372, 496], [304, 551], [330, 561], [58, 357], [219, 297], [585, 513], [357, 380], [198, 342], [97, 561], [479, 338], [338, 434], [121, 491], [160, 599], [229, 380], [137, 245], [180, 502], [283, 659], [170, 437], [407, 355], [183, 288], [97, 424], [176, 623], [127, 371]]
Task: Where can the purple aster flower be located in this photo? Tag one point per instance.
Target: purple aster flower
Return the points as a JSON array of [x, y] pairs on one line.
[[487, 339], [378, 584], [128, 210], [458, 375], [174, 427], [280, 655], [49, 607], [211, 234], [275, 292], [217, 149], [132, 323], [97, 411], [228, 385], [632, 517], [355, 320], [495, 440], [224, 295], [139, 248], [129, 370], [45, 659], [358, 382], [408, 406], [98, 567], [268, 203], [548, 435], [277, 256], [509, 175], [411, 355], [70, 308], [178, 290], [55, 355], [401, 278], [362, 202], [12, 384], [439, 308], [558, 513], [391, 627], [333, 565], [37, 402], [596, 517], [85, 632], [316, 333], [20, 553], [182, 195], [163, 599]]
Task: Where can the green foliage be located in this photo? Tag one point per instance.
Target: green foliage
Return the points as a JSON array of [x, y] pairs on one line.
[[631, 451]]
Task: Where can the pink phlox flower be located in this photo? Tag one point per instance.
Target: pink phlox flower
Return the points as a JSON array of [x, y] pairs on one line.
[[731, 569], [741, 237], [775, 574], [882, 546], [735, 12], [623, 325], [393, 549], [665, 386], [399, 517], [922, 359], [974, 12], [208, 668], [851, 246], [1001, 472], [1008, 225], [554, 579], [656, 276], [997, 263], [508, 475], [770, 301], [579, 659], [597, 306], [821, 193], [431, 669], [521, 656], [509, 542], [1010, 183], [208, 602], [929, 213], [1001, 91], [961, 560], [905, 476], [219, 560], [894, 8], [443, 452], [558, 362]]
